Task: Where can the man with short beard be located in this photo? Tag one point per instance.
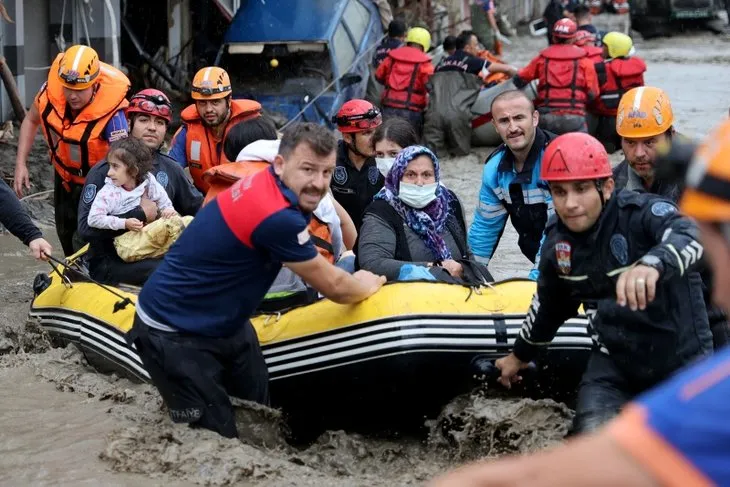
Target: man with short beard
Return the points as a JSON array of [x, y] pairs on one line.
[[510, 182], [148, 116], [192, 327], [198, 143]]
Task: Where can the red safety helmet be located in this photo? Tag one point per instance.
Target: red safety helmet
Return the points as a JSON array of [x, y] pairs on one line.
[[583, 37], [565, 29], [357, 116], [151, 102], [575, 156]]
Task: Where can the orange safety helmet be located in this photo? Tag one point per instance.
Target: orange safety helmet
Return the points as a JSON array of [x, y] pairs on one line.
[[357, 116], [644, 112], [565, 28], [707, 193], [211, 83], [575, 156], [79, 67]]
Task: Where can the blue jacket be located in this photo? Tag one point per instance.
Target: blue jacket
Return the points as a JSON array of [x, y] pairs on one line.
[[521, 196]]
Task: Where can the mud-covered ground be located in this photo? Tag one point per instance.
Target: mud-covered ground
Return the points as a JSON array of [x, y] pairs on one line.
[[62, 423]]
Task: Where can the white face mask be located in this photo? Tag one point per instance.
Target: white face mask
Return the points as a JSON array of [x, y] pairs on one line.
[[417, 196], [384, 164]]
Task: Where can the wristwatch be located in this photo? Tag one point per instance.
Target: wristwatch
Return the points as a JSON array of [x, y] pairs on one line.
[[652, 261]]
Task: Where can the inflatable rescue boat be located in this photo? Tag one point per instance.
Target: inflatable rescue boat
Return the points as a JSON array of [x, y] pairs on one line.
[[483, 132], [412, 347]]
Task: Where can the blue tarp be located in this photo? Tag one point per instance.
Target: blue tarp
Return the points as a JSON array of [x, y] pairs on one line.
[[283, 20]]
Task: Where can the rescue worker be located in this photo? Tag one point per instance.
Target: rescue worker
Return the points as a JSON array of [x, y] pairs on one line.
[[198, 143], [449, 45], [628, 258], [567, 83], [81, 109], [619, 72], [395, 39], [149, 114], [511, 185], [356, 178], [554, 11], [642, 136], [453, 89], [586, 40], [191, 326], [584, 20], [14, 217], [674, 435], [404, 75], [484, 23]]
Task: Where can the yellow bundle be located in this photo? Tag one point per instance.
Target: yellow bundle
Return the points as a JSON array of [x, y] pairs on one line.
[[153, 240]]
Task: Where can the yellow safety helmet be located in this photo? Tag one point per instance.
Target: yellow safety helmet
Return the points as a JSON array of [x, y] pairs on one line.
[[707, 192], [419, 35], [644, 112], [79, 67], [211, 83], [618, 44]]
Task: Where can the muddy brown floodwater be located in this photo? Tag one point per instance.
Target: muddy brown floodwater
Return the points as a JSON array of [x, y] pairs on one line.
[[63, 424]]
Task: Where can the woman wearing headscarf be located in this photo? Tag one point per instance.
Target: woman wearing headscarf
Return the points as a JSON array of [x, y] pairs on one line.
[[414, 219]]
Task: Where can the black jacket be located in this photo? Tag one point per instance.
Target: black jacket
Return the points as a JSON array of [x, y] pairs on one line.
[[14, 217], [583, 269], [186, 200], [354, 189]]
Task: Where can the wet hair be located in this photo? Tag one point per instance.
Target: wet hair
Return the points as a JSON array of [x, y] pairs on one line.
[[581, 12], [512, 95], [318, 137], [396, 28], [135, 155], [449, 43], [398, 130], [463, 39], [243, 133]]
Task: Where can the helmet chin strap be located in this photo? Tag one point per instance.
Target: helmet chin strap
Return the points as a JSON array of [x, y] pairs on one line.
[[353, 147], [599, 187]]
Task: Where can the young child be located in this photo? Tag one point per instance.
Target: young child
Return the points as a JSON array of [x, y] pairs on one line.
[[129, 179]]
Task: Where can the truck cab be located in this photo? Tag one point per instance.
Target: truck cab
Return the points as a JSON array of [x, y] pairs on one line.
[[301, 59]]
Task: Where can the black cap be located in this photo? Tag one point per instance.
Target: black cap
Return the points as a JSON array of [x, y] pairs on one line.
[[396, 28]]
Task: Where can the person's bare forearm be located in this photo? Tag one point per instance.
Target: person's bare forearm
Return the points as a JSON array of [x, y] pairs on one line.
[[28, 130], [587, 461], [345, 289]]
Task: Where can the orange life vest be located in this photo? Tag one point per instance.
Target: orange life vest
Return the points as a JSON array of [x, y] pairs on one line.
[[616, 77], [493, 78], [202, 150], [223, 176], [76, 145]]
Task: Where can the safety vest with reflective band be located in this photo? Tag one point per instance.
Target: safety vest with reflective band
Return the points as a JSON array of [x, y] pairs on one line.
[[76, 145], [562, 86], [616, 77], [202, 149], [621, 6], [404, 73]]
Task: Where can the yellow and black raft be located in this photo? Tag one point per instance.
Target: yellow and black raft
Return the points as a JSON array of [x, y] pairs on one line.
[[412, 345]]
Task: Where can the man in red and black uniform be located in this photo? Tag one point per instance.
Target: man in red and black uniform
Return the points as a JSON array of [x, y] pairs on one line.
[[404, 73], [192, 328], [567, 84], [356, 179]]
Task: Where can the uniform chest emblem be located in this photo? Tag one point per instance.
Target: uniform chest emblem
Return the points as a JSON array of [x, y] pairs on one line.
[[340, 175], [562, 253], [620, 248], [162, 178], [373, 174]]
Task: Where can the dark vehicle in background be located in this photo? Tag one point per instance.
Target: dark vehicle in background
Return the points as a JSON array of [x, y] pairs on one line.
[[653, 18], [284, 53]]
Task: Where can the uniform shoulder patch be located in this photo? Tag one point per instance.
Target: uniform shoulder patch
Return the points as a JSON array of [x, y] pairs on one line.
[[620, 248], [373, 174], [662, 208], [340, 175], [118, 135], [162, 178], [89, 193]]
